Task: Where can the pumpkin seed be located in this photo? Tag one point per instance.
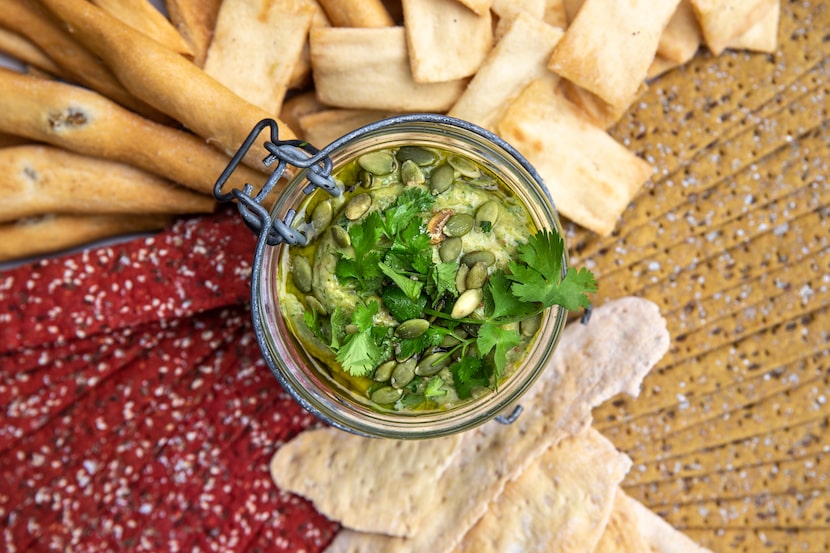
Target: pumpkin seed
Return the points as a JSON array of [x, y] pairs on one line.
[[478, 256], [386, 395], [432, 364], [449, 341], [466, 303], [379, 163], [450, 249], [461, 278], [341, 236], [302, 274], [477, 276], [365, 179], [314, 304], [459, 224], [464, 166], [411, 174], [321, 216], [357, 206], [384, 372], [412, 328], [441, 178], [419, 155], [403, 373], [488, 212], [351, 328], [529, 326]]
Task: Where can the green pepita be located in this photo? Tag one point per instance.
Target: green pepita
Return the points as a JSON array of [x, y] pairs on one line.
[[461, 278], [386, 395], [477, 276], [441, 178], [321, 216], [488, 212], [379, 163], [384, 372], [403, 373], [459, 224], [478, 256], [450, 248], [421, 156], [315, 305], [466, 303], [302, 274], [529, 326], [357, 206], [432, 364], [412, 328], [411, 174], [464, 166], [341, 237]]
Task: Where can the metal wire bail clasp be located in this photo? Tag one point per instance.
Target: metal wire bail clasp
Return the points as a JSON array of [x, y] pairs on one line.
[[297, 153]]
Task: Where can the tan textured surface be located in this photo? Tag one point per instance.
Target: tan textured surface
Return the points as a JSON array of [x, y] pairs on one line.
[[730, 435]]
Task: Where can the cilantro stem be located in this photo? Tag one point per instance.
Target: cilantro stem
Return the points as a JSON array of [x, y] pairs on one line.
[[497, 321]]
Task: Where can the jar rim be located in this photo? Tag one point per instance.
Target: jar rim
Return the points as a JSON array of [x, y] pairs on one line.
[[280, 347]]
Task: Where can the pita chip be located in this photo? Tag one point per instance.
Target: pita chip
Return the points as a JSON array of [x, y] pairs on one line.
[[256, 46], [323, 127], [508, 9], [357, 13], [561, 502], [599, 112], [681, 38], [610, 45], [445, 40], [555, 14], [625, 339], [368, 68], [195, 21], [763, 36], [600, 176], [517, 59], [724, 20], [478, 6]]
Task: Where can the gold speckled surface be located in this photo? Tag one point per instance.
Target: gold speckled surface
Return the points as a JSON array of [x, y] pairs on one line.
[[729, 436]]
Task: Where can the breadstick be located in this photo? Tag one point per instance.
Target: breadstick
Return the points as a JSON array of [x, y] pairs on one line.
[[143, 16], [29, 19], [24, 50], [85, 122], [164, 79], [36, 180], [54, 233]]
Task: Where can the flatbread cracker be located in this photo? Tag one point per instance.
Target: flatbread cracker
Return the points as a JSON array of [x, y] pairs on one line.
[[722, 21], [625, 339], [195, 20], [519, 57], [445, 40], [508, 9], [369, 69], [591, 177], [478, 6], [609, 46], [599, 112], [555, 14], [561, 502], [635, 528], [37, 180], [761, 37], [323, 127], [256, 46]]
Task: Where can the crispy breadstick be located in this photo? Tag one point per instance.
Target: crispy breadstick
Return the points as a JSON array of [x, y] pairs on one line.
[[357, 13], [37, 180], [7, 139], [165, 79], [85, 122], [54, 233], [195, 20], [143, 16], [24, 50], [29, 19], [298, 106]]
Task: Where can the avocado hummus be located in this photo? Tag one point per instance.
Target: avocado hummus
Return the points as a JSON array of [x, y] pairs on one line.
[[409, 292]]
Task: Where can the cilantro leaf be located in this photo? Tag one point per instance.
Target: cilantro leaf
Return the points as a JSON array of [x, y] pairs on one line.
[[400, 305], [410, 203], [468, 373], [410, 346], [504, 303], [412, 288], [492, 336], [365, 235], [539, 278], [442, 279], [359, 354], [435, 387]]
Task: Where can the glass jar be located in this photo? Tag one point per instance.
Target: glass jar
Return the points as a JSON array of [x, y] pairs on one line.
[[306, 379]]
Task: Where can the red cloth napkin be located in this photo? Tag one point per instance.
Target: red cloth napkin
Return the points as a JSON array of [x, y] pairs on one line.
[[138, 414]]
